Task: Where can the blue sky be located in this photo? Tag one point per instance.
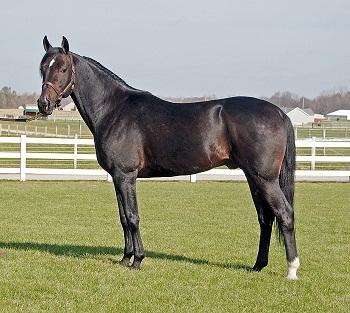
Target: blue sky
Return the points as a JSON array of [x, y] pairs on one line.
[[187, 48]]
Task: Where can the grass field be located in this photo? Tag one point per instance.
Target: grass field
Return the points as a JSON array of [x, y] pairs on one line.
[[59, 242]]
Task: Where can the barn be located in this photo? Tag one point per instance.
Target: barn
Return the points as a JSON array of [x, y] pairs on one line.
[[30, 110], [299, 116], [339, 115], [68, 107]]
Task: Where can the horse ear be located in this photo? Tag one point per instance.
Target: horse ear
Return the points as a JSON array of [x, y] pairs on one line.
[[46, 43], [65, 45]]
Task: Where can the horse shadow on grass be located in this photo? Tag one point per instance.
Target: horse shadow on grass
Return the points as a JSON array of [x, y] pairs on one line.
[[81, 251]]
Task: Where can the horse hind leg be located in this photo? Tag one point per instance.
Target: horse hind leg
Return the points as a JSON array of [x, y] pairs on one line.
[[265, 218], [284, 213]]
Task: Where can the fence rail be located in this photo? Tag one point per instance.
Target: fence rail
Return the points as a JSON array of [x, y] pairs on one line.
[[23, 155]]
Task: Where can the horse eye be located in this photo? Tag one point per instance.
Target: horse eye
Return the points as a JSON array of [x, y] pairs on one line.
[[64, 70]]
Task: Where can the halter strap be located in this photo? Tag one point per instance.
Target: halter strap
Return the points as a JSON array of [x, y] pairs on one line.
[[69, 87]]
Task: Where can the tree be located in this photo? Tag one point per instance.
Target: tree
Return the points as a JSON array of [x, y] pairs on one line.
[[10, 99]]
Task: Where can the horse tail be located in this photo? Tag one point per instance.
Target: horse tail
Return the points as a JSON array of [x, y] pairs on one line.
[[287, 172]]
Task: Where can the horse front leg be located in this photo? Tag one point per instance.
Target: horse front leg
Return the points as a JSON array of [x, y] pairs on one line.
[[126, 191], [128, 245], [264, 244]]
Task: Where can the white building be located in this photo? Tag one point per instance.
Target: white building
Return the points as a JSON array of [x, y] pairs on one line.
[[299, 116], [339, 115], [68, 107]]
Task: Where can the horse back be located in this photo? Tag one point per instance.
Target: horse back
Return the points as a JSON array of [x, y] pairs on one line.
[[160, 138]]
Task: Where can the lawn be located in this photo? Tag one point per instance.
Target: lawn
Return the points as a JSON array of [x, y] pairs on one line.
[[60, 241]]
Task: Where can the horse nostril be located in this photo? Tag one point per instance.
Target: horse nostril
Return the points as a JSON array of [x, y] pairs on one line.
[[44, 103]]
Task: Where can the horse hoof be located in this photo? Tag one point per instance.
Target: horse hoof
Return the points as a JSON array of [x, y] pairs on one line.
[[258, 267], [292, 269], [135, 265], [292, 277], [124, 262]]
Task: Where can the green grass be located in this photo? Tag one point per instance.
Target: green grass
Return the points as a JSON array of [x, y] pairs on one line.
[[59, 242]]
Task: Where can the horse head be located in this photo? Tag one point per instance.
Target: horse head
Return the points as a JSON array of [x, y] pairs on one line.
[[58, 74]]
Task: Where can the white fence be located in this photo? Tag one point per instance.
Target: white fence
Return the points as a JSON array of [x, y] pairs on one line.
[[23, 171]]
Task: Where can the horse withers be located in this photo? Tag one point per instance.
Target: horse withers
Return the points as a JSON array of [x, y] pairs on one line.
[[140, 135]]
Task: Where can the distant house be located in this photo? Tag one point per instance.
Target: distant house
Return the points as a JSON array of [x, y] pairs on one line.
[[30, 110], [318, 118], [299, 116], [339, 115], [69, 107]]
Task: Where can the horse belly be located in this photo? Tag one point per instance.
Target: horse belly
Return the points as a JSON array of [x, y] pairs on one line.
[[186, 158]]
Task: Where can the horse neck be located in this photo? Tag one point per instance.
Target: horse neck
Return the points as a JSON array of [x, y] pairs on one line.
[[95, 93]]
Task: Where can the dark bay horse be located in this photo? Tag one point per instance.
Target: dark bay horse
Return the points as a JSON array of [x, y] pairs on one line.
[[139, 135]]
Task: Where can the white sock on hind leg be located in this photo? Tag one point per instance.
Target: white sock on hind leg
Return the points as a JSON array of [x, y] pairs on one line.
[[292, 269]]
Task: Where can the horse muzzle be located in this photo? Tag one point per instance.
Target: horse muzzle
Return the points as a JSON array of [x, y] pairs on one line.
[[46, 106]]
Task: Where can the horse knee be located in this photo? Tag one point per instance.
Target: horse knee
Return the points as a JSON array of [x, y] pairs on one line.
[[286, 220], [280, 207], [124, 221], [133, 221]]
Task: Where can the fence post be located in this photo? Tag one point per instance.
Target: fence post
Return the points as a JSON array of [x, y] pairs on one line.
[[75, 151], [23, 160], [313, 153], [296, 132], [193, 178]]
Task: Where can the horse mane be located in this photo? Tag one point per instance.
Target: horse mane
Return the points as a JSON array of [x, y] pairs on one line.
[[108, 72]]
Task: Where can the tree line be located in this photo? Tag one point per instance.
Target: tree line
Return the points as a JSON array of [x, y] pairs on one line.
[[323, 104], [9, 99]]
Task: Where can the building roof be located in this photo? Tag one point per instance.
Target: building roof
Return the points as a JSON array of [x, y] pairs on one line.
[[306, 111], [68, 107], [319, 116], [340, 112], [309, 111], [31, 108]]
